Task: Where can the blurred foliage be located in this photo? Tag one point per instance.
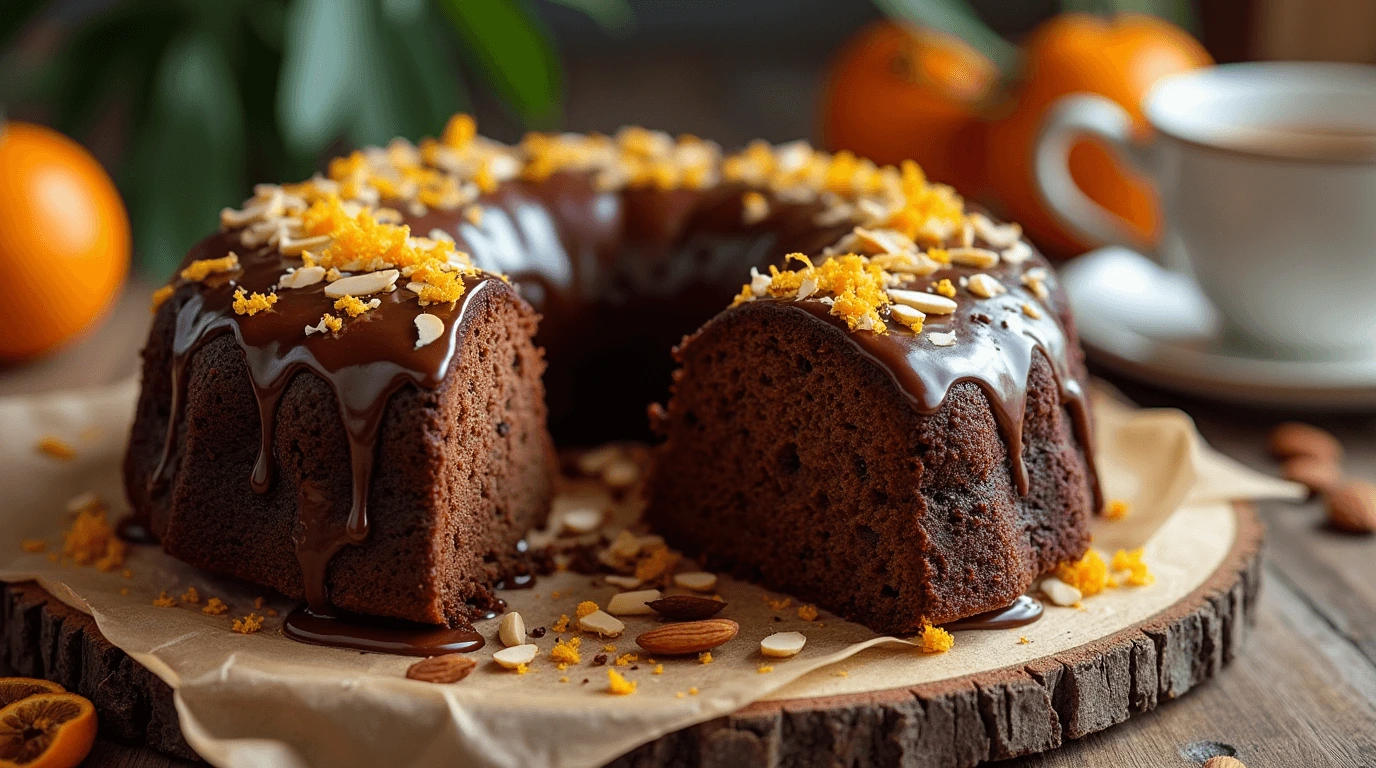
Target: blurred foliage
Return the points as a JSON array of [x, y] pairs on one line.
[[212, 94]]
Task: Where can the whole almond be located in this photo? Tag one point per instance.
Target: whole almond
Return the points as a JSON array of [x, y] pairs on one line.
[[450, 668], [1223, 761], [686, 607], [688, 637], [1352, 507], [1319, 475], [1295, 438]]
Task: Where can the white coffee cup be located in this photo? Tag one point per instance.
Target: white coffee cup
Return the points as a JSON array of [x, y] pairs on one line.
[[1267, 179]]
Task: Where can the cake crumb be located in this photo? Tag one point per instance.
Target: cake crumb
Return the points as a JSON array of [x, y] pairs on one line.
[[778, 604], [56, 447], [935, 639], [764, 669], [1116, 510], [705, 657], [33, 546], [164, 600], [214, 607], [562, 625], [807, 612], [191, 596], [247, 625], [618, 685], [566, 652], [658, 670]]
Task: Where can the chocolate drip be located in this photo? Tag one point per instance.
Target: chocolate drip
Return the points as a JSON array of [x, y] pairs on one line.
[[1019, 613], [993, 350], [374, 635]]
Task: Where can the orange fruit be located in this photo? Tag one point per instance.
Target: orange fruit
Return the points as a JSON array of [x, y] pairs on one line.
[[1120, 58], [898, 93], [64, 240], [47, 730], [13, 689]]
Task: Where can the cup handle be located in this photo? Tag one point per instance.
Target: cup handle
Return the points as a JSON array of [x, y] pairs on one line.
[[1071, 119]]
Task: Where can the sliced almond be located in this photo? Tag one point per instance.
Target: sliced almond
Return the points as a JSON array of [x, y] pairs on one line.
[[907, 315], [632, 603], [301, 278], [781, 645], [362, 285], [512, 630], [939, 339], [980, 258], [985, 287], [997, 235], [626, 545], [621, 473], [698, 581], [516, 655], [1016, 253], [688, 637], [600, 622], [581, 520], [930, 303], [624, 582], [595, 461], [883, 241], [449, 668], [1060, 592], [428, 327]]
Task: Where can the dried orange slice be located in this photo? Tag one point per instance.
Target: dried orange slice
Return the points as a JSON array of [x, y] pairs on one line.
[[47, 730], [13, 689]]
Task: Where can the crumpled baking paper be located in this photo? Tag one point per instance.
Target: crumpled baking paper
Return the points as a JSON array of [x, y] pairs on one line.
[[262, 699]]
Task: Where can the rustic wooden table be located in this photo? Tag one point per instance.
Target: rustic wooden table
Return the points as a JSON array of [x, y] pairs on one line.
[[1302, 694]]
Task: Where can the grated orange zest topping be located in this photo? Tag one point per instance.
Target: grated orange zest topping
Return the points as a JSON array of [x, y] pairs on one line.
[[33, 545], [807, 612], [214, 607], [1117, 510], [562, 625], [855, 285], [459, 131], [584, 608], [56, 447], [1089, 574], [352, 305], [618, 685], [566, 652], [91, 539], [934, 639], [200, 269], [252, 304], [161, 296], [944, 287], [247, 625], [164, 600], [1131, 560]]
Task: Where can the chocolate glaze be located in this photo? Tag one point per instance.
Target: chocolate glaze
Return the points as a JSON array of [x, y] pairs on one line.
[[368, 633], [619, 278], [993, 349], [1019, 613]]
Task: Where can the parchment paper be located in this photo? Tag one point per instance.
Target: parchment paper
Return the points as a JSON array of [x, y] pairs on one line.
[[262, 699]]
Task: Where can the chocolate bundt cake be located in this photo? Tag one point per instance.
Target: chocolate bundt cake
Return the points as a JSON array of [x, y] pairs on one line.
[[345, 393], [900, 437]]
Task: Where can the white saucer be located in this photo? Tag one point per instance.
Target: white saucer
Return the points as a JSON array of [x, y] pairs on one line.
[[1156, 326]]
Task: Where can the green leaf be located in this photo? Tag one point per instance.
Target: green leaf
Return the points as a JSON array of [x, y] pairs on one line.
[[514, 54], [188, 160], [420, 68], [326, 47], [955, 17]]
